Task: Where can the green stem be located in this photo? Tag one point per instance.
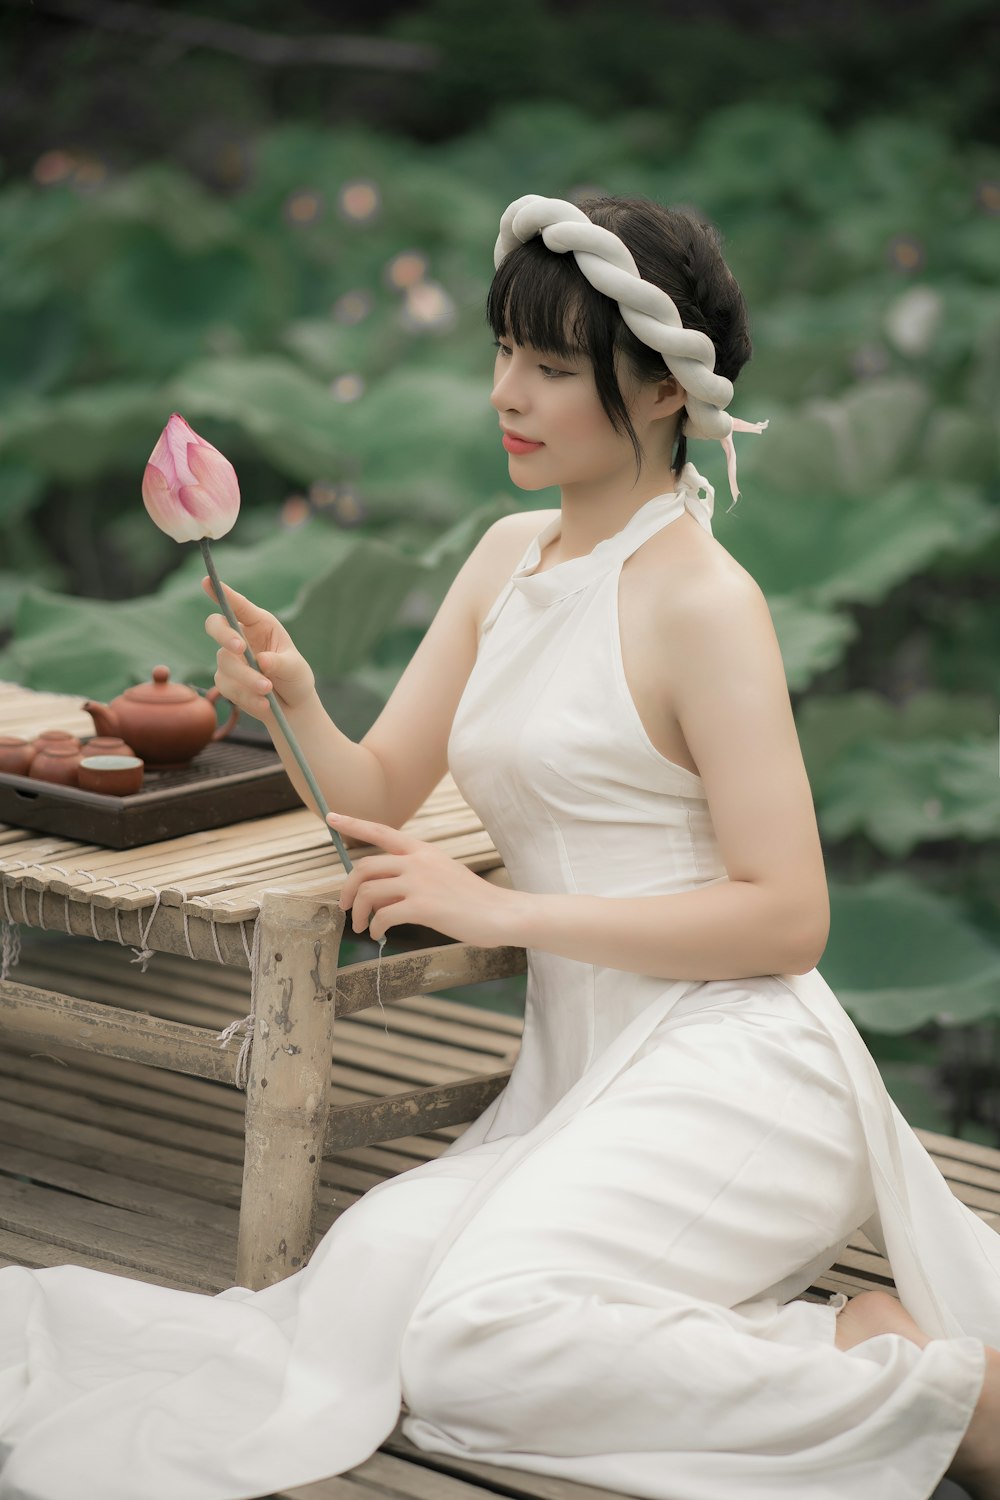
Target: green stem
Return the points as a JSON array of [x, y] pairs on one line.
[[283, 723]]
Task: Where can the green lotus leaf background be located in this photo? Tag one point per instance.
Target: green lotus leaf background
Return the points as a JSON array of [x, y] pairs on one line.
[[900, 956], [904, 794]]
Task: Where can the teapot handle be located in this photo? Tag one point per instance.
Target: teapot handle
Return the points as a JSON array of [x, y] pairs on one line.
[[223, 729]]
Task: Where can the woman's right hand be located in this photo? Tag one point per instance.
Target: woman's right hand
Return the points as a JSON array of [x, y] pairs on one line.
[[288, 673]]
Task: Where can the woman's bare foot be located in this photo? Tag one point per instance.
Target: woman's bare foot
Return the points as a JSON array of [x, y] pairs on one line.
[[871, 1313], [976, 1464]]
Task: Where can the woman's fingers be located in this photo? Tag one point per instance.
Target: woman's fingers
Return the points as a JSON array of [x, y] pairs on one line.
[[258, 628], [243, 608], [219, 628], [264, 639], [238, 672], [240, 684]]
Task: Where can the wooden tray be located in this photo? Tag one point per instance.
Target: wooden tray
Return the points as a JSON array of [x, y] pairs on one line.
[[229, 781]]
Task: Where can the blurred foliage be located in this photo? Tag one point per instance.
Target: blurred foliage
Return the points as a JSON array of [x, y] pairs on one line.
[[322, 323], [186, 79]]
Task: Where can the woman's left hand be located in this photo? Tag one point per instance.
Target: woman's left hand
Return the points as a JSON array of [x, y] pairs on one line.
[[415, 882]]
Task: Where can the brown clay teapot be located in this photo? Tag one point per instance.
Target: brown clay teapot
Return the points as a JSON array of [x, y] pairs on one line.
[[166, 723]]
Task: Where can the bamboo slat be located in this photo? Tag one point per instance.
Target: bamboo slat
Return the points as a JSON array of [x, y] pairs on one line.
[[393, 1478], [27, 712], [517, 1482], [25, 1250]]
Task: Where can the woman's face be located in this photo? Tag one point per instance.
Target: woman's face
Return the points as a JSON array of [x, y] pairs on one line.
[[554, 402]]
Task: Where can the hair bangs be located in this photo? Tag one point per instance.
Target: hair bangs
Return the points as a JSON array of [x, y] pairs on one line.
[[538, 298]]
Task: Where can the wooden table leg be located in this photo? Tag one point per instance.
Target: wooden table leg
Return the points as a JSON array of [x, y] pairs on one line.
[[288, 1084]]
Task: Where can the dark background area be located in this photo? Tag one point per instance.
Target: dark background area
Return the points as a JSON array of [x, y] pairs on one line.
[[132, 81]]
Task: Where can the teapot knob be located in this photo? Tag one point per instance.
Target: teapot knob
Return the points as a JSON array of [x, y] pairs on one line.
[[161, 674]]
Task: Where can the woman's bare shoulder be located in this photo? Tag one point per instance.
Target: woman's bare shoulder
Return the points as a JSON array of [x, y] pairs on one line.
[[514, 532], [509, 539], [683, 557], [530, 522]]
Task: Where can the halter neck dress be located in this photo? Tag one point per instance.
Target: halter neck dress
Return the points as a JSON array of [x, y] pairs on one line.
[[573, 792], [114, 1389]]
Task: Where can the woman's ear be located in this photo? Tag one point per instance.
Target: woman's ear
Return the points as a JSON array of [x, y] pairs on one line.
[[670, 397]]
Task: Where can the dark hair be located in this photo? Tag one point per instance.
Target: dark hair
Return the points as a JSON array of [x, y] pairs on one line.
[[538, 293]]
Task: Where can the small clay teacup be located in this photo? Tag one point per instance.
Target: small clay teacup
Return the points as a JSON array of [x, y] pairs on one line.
[[56, 737], [107, 744], [16, 754], [56, 760], [117, 775]]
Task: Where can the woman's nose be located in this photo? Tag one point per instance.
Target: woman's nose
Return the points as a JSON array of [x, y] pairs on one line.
[[505, 393]]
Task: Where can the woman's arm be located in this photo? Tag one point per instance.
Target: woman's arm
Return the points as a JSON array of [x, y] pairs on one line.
[[730, 930]]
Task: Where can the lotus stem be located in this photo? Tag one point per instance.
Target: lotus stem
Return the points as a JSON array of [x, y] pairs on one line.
[[276, 708]]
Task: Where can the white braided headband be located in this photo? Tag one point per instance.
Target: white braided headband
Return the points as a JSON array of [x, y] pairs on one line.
[[650, 312]]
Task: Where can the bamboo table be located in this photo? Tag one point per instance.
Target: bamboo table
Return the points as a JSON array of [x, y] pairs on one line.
[[260, 894]]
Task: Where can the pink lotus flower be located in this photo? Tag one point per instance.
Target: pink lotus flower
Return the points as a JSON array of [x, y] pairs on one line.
[[191, 491], [189, 488]]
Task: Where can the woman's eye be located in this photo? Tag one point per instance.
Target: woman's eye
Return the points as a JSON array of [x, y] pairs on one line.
[[546, 369]]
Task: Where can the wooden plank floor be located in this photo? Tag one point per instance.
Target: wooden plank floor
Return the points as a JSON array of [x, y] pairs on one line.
[[137, 1171]]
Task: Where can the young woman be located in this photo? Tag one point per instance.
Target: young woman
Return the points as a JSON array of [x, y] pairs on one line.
[[596, 1279]]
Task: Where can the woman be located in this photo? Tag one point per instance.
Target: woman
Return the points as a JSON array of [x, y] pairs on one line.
[[595, 1280]]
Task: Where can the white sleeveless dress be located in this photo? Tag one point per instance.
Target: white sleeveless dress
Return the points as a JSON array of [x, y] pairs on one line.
[[594, 1280]]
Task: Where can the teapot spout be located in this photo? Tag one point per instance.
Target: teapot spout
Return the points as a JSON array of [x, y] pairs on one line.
[[105, 719]]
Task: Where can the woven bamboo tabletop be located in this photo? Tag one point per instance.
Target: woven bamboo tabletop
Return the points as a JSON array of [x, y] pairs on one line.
[[218, 873]]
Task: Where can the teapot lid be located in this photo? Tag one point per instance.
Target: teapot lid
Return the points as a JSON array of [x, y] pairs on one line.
[[160, 690]]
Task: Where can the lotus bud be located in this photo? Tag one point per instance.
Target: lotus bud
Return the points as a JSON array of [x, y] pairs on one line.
[[191, 491], [189, 488]]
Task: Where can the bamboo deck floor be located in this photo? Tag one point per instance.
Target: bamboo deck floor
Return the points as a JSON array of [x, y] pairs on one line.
[[137, 1171]]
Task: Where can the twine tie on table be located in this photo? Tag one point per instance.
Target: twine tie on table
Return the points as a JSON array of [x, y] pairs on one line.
[[10, 932], [248, 1023], [143, 954], [10, 946], [378, 982]]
